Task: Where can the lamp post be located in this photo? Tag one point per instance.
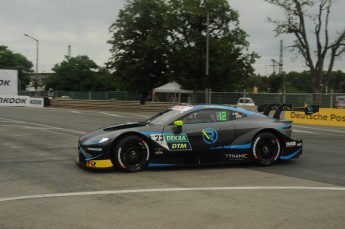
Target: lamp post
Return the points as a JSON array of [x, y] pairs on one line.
[[37, 44], [207, 80], [207, 57]]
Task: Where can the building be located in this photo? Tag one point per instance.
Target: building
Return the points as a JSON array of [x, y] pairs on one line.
[[39, 77]]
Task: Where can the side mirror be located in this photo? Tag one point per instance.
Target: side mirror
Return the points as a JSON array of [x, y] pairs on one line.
[[178, 124]]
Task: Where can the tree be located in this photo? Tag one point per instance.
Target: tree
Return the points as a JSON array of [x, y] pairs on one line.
[[337, 82], [261, 82], [16, 61], [78, 74], [296, 23], [139, 45], [155, 41], [298, 82], [229, 64]]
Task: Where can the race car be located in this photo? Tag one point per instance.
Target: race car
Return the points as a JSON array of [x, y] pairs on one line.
[[194, 135]]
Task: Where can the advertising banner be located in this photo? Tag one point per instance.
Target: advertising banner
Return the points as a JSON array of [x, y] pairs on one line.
[[8, 82], [20, 101], [326, 117]]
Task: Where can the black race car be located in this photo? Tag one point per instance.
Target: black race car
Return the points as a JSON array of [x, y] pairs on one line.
[[193, 135]]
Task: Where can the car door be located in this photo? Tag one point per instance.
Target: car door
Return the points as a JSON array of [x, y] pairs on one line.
[[207, 132], [177, 145]]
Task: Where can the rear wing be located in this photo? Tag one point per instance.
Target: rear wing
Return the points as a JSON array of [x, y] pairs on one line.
[[279, 108]]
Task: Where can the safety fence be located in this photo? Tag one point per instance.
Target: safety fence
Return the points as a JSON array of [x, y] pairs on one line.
[[327, 100]]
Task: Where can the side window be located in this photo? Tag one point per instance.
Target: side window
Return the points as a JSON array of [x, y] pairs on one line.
[[222, 116], [202, 116], [236, 115], [211, 115], [227, 115]]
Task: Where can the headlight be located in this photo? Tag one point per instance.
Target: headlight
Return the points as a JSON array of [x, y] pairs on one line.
[[96, 140], [103, 140]]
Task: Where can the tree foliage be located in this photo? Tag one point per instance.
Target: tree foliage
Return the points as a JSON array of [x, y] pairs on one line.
[[297, 15], [155, 41], [337, 82], [139, 45], [296, 82], [79, 74], [16, 61], [229, 64], [261, 82]]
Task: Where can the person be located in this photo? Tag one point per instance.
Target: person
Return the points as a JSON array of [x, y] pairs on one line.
[[51, 93], [143, 97]]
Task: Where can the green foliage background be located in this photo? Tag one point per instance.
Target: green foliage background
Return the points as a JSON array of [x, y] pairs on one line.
[[156, 41], [16, 61]]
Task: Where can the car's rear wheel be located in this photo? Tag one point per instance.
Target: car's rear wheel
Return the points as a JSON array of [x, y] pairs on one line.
[[131, 154], [266, 149]]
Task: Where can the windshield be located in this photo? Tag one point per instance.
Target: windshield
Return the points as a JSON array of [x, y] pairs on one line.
[[340, 98], [167, 115]]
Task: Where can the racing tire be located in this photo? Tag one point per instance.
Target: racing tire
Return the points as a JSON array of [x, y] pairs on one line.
[[131, 154], [266, 149]]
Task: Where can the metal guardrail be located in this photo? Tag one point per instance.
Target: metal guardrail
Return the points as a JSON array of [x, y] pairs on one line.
[[327, 100], [150, 107]]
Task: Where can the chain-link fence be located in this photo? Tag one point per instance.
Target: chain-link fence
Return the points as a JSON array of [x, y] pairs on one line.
[[198, 97]]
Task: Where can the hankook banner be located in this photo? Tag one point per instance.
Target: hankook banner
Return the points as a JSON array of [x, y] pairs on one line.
[[20, 101], [326, 117], [8, 82]]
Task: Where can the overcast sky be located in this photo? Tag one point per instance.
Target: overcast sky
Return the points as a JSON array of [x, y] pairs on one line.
[[84, 24]]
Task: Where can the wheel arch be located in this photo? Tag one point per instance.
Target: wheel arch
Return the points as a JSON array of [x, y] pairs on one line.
[[272, 131], [126, 134], [267, 158], [278, 134]]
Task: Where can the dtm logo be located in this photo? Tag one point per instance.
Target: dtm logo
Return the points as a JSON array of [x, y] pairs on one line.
[[209, 135], [179, 146]]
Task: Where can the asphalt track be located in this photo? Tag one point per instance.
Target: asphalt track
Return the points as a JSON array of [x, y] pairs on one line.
[[41, 187]]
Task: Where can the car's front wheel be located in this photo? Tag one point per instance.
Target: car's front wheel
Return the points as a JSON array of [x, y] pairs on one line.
[[131, 154], [266, 149]]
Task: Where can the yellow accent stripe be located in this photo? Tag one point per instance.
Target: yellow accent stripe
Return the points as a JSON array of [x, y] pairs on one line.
[[205, 134], [99, 164]]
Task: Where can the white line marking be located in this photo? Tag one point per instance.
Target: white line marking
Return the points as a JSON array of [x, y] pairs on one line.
[[36, 124], [44, 126], [303, 131], [325, 129], [265, 188], [76, 112], [65, 134], [316, 133], [111, 114], [28, 127], [142, 116]]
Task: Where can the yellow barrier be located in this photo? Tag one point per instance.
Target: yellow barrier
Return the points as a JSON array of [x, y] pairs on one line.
[[326, 117]]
